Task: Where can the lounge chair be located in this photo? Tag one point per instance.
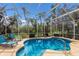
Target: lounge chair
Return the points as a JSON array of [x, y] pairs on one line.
[[5, 43]]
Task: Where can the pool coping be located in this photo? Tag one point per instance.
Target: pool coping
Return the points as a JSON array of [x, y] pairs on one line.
[[49, 37]]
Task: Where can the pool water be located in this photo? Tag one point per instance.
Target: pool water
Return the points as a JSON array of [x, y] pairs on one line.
[[36, 47]]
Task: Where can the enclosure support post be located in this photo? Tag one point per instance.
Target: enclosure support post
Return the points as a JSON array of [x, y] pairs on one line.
[[62, 28], [44, 29], [51, 25], [73, 24], [73, 29], [37, 29]]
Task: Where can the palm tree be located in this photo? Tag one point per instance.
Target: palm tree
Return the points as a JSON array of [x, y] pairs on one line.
[[33, 27], [26, 12], [41, 16], [47, 27]]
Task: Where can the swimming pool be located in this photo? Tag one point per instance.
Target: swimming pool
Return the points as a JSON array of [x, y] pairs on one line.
[[36, 47]]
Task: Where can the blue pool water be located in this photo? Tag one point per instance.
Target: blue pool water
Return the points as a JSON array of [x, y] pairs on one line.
[[36, 47]]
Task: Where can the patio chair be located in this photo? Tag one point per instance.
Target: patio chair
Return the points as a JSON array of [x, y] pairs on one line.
[[5, 43], [11, 37]]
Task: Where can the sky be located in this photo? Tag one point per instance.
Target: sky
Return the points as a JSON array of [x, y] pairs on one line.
[[34, 8]]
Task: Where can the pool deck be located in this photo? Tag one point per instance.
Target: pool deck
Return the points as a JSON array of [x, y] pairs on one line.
[[12, 51]]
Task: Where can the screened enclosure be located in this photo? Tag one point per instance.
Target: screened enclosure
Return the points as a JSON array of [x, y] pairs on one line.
[[61, 20]]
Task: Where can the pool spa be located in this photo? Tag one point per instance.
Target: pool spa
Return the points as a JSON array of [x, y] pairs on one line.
[[37, 47]]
